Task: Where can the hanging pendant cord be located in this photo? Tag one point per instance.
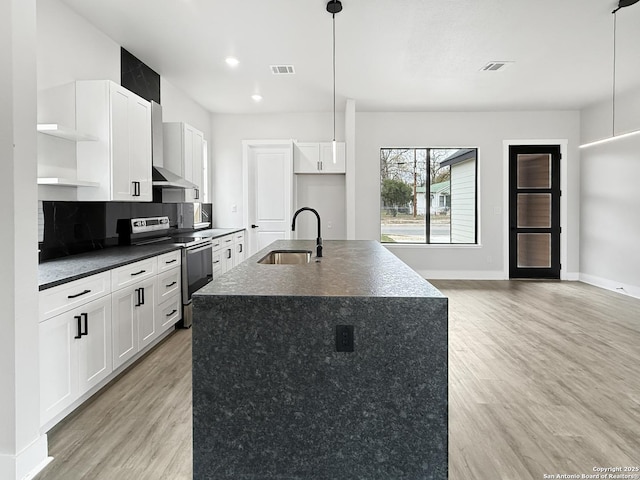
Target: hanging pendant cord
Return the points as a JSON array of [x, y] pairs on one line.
[[613, 93], [334, 76]]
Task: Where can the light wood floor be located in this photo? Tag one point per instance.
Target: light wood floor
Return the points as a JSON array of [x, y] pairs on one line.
[[544, 378]]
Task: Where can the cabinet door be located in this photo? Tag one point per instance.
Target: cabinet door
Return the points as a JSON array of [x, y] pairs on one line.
[[306, 157], [124, 324], [216, 263], [326, 158], [95, 360], [145, 312], [121, 181], [140, 148], [58, 364], [193, 141], [239, 253]]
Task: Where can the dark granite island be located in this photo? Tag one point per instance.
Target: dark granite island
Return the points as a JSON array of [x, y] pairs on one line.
[[273, 399]]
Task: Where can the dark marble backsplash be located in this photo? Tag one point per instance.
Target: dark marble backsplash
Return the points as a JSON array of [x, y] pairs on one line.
[[77, 227]]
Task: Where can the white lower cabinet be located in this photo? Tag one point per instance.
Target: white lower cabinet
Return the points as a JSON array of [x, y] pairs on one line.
[[228, 251], [91, 327], [75, 355], [133, 320]]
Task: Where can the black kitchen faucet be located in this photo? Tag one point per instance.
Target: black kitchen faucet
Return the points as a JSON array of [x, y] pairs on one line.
[[319, 237]]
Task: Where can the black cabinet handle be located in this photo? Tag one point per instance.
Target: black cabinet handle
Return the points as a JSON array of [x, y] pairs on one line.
[[79, 319], [217, 261], [230, 240], [171, 261], [136, 189], [138, 273], [241, 248], [197, 193], [171, 284], [86, 324], [138, 299], [78, 294], [172, 312], [228, 253], [142, 291]]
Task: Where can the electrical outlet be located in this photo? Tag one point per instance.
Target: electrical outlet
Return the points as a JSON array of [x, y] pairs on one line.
[[329, 225], [234, 208], [344, 338]]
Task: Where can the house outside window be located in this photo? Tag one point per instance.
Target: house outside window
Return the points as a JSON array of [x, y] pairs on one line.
[[446, 177]]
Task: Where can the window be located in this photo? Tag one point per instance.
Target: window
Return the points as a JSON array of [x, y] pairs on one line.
[[428, 195]]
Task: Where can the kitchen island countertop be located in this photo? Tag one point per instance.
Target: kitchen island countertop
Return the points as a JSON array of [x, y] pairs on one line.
[[347, 268]]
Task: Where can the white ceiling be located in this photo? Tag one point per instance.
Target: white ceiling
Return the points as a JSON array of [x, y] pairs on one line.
[[392, 55]]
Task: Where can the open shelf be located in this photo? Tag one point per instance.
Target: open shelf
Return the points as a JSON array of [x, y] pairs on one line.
[[67, 133], [65, 182]]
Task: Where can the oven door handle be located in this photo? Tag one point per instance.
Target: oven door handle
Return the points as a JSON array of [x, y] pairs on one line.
[[199, 248]]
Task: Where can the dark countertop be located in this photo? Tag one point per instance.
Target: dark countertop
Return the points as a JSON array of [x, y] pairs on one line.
[[66, 269], [347, 268]]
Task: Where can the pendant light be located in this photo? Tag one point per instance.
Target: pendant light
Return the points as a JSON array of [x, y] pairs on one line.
[[621, 4], [333, 7]]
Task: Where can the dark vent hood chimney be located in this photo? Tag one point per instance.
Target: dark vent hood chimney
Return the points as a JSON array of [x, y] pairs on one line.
[[161, 176]]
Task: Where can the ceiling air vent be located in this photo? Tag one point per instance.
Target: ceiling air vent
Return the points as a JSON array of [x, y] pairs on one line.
[[495, 66], [282, 69]]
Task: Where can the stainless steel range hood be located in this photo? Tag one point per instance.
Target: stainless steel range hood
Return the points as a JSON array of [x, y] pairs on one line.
[[161, 176]]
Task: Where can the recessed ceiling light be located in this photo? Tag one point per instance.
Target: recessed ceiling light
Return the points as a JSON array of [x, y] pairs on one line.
[[256, 97], [232, 61]]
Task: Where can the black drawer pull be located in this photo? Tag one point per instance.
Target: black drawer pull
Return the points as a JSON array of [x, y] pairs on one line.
[[86, 324], [79, 334], [227, 241], [138, 273], [78, 294], [228, 253], [171, 284], [172, 312], [171, 261], [217, 261]]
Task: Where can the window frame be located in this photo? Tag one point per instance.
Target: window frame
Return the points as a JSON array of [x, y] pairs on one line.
[[427, 243]]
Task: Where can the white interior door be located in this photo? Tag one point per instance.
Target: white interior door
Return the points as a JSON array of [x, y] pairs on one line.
[[268, 191]]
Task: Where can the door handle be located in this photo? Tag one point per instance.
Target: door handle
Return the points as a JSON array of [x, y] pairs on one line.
[[241, 248], [142, 291], [79, 331], [228, 253], [78, 294], [172, 312], [255, 226], [139, 301], [85, 316], [171, 284]]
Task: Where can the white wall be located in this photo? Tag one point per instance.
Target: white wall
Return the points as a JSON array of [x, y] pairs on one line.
[[229, 131], [610, 199], [486, 131], [69, 49], [23, 450]]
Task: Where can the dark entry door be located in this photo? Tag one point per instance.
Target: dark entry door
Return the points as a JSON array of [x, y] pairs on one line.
[[534, 211]]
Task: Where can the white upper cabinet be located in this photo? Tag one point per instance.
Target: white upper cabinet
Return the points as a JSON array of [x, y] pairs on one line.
[[183, 155], [317, 157], [120, 161]]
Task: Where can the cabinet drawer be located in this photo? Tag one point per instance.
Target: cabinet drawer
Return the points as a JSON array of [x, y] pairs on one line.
[[168, 284], [134, 272], [216, 244], [226, 241], [239, 237], [169, 312], [169, 260], [57, 300]]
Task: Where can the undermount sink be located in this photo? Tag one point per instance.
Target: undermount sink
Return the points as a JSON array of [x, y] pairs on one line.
[[286, 257]]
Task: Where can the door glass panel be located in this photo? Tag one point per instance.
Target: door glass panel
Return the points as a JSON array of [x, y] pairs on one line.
[[534, 250], [534, 170], [534, 210]]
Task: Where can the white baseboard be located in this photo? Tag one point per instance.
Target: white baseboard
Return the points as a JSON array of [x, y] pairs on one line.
[[26, 464], [614, 286], [572, 276], [462, 275]]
